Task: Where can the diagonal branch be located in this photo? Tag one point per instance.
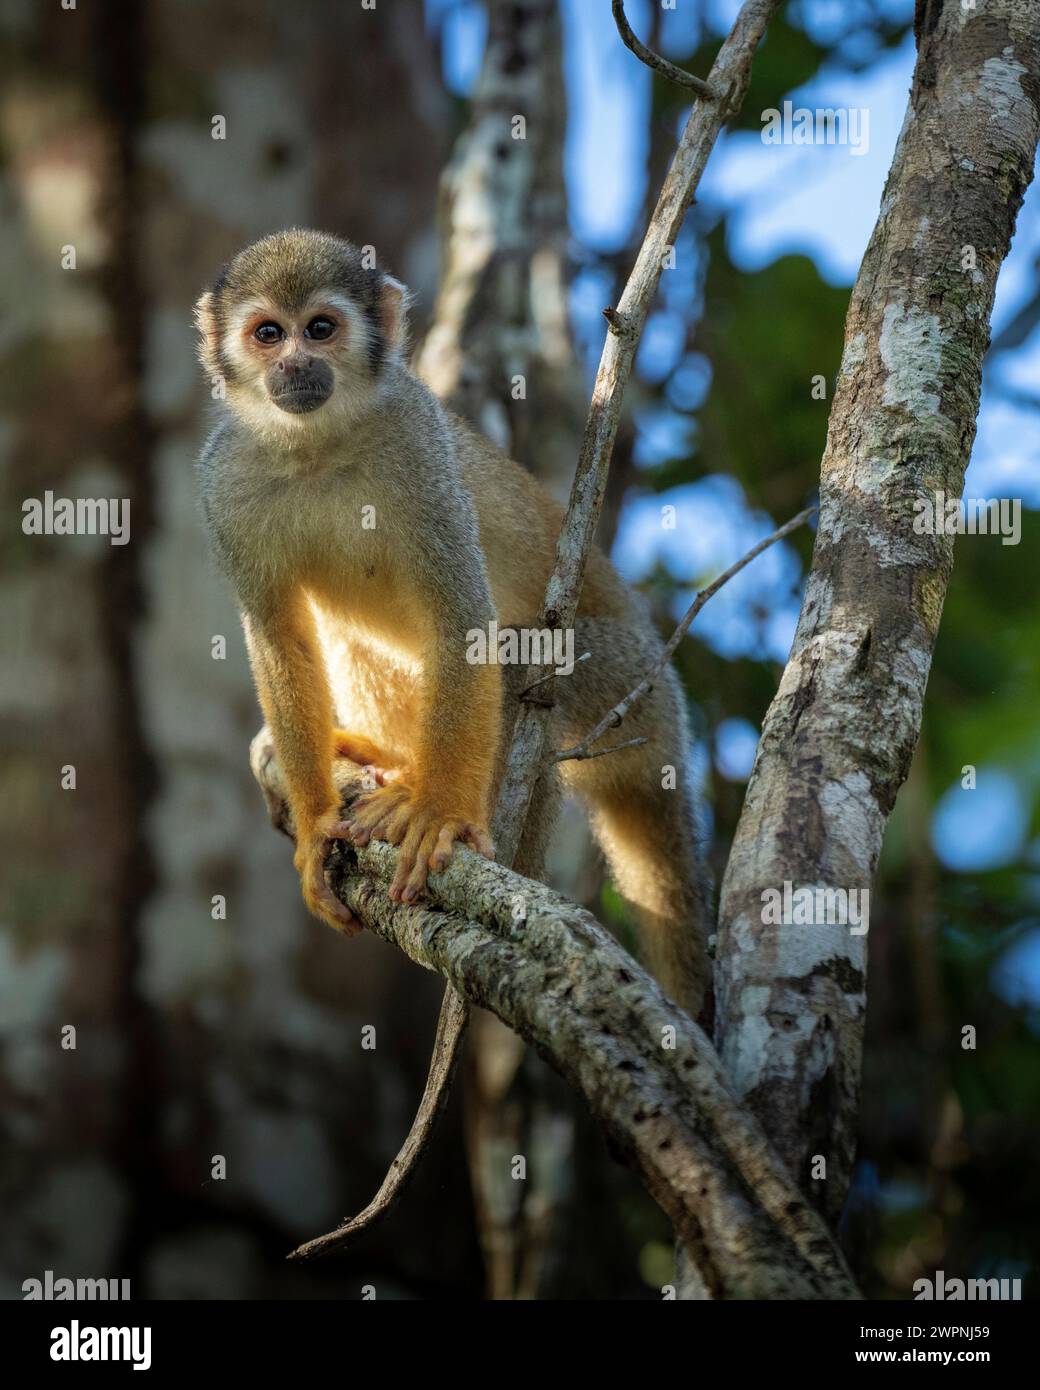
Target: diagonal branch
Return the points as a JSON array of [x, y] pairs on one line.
[[554, 975], [730, 73]]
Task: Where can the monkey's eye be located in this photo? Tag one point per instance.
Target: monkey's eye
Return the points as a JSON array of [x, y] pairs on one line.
[[268, 334], [319, 328]]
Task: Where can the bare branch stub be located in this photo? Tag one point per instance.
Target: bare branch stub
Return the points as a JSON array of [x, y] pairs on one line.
[[615, 322], [654, 60]]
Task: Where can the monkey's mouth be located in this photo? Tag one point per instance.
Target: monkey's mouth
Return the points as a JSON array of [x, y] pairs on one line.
[[300, 400]]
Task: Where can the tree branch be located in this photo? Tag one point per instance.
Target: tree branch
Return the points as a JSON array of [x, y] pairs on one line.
[[654, 60], [554, 975]]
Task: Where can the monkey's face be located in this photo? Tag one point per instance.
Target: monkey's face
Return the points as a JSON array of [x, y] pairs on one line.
[[296, 362], [298, 376], [299, 329]]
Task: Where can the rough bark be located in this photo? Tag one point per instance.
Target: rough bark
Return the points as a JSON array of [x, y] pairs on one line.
[[551, 972], [837, 740]]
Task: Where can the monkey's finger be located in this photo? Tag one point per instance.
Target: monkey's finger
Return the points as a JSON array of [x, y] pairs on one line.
[[410, 879], [342, 918], [480, 840], [371, 812], [395, 827], [362, 827], [391, 829], [416, 880], [403, 889], [442, 850], [323, 902], [357, 834]]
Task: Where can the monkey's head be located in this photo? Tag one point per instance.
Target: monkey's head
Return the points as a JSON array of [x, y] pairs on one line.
[[300, 327]]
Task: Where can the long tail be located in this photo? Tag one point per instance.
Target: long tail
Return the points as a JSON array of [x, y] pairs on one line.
[[451, 1029], [650, 842]]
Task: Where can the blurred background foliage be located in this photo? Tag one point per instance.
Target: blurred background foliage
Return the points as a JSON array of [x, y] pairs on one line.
[[241, 1036]]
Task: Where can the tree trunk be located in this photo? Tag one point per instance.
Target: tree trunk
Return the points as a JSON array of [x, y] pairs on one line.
[[838, 738]]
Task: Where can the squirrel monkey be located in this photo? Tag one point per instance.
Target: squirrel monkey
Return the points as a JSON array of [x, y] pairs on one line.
[[368, 532]]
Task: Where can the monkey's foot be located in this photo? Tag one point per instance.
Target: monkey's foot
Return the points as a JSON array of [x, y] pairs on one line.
[[425, 833], [311, 852], [368, 755]]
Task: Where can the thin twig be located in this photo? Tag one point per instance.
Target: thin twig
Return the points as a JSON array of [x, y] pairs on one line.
[[614, 716], [547, 677], [580, 754], [654, 60], [730, 74]]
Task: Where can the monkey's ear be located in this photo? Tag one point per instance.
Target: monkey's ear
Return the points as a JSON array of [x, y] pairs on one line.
[[393, 312], [209, 333]]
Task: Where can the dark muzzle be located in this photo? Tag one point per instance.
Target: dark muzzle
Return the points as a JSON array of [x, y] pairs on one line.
[[299, 388]]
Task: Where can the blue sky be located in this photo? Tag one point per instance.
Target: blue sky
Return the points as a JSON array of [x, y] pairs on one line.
[[817, 201]]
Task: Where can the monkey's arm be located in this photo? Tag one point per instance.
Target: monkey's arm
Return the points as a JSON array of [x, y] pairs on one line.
[[293, 689], [445, 795]]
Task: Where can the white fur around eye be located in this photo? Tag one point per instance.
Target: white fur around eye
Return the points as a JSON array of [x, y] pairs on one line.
[[354, 324], [234, 342]]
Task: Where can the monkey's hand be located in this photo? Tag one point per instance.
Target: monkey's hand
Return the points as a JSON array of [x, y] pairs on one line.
[[425, 831], [313, 843]]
